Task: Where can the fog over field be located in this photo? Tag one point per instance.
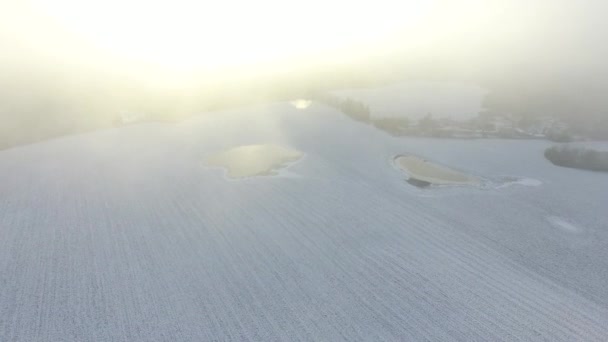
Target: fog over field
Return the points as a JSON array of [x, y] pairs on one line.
[[61, 74], [279, 170], [126, 235]]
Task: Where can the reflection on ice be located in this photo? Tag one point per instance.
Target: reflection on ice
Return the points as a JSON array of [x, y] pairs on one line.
[[301, 103], [254, 160]]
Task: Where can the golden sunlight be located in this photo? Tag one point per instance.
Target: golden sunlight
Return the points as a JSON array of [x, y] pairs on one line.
[[190, 34]]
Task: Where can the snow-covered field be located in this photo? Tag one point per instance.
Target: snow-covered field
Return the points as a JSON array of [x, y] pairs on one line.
[[415, 99], [122, 235]]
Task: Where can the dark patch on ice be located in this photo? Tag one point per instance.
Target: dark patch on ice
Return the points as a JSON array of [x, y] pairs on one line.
[[418, 183]]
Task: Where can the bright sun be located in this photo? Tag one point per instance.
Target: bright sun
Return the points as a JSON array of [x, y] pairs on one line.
[[188, 34]]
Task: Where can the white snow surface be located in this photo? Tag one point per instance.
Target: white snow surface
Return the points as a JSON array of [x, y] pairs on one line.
[[122, 235], [563, 224]]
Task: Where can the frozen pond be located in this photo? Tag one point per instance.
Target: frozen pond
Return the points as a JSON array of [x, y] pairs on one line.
[[425, 171]]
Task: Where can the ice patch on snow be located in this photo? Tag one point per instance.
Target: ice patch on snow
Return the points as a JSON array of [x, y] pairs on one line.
[[510, 181], [563, 224]]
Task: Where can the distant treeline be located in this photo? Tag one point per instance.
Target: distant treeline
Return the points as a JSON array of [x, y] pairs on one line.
[[397, 126], [578, 157], [583, 112], [361, 112], [356, 110]]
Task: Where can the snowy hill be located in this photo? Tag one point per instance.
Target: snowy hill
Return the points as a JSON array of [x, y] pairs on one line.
[[124, 235]]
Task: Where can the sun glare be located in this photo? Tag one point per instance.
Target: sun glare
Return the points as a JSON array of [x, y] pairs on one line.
[[187, 34]]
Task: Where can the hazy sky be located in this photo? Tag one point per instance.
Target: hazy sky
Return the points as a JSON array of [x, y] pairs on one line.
[[68, 61], [132, 28], [181, 38]]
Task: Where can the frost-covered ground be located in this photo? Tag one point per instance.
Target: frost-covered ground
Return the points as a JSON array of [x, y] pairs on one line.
[[123, 235]]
